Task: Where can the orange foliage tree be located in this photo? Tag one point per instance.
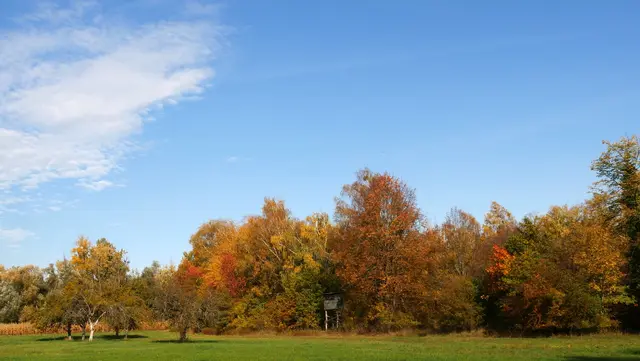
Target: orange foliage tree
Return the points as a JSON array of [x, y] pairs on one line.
[[380, 249]]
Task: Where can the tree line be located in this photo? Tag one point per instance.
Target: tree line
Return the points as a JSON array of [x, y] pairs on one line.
[[573, 269]]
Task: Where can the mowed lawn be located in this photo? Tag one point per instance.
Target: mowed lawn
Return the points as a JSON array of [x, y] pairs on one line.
[[160, 345]]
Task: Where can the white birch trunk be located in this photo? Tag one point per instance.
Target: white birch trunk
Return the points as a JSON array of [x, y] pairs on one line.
[[91, 324]]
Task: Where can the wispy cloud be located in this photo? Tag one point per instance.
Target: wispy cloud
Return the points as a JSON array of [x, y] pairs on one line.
[[96, 185], [42, 205], [75, 88], [8, 203], [236, 159], [13, 237]]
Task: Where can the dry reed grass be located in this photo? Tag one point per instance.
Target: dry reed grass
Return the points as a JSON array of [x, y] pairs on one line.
[[17, 329]]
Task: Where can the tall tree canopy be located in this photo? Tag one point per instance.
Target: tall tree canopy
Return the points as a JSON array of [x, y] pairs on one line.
[[379, 249], [618, 187]]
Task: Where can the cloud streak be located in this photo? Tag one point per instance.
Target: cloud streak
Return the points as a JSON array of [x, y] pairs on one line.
[[75, 90], [13, 237], [236, 159]]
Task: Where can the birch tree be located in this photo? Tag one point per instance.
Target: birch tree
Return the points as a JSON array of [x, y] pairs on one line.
[[100, 272]]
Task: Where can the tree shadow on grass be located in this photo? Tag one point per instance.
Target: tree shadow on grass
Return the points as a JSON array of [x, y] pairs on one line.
[[185, 342], [100, 337], [59, 338], [120, 337]]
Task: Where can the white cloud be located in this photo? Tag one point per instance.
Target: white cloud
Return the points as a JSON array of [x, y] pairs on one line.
[[75, 88], [96, 185], [232, 159], [14, 237], [8, 203]]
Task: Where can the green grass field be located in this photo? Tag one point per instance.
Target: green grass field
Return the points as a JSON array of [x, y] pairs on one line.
[[160, 345]]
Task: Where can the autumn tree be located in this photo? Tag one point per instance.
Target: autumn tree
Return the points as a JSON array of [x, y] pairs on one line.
[[179, 302], [562, 270], [208, 239], [62, 306], [618, 170], [146, 285], [127, 310], [379, 249], [272, 267], [28, 281], [9, 303], [452, 289], [215, 252], [215, 271], [282, 262], [618, 188], [499, 224], [100, 273], [462, 236], [60, 310]]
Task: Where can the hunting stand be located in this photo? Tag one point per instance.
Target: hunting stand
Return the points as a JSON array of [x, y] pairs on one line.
[[332, 309]]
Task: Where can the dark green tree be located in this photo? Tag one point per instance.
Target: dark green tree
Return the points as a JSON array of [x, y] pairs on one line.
[[618, 189]]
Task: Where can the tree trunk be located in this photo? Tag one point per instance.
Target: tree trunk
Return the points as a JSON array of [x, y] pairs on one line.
[[84, 330], [91, 326], [126, 333], [183, 334], [117, 331], [69, 332]]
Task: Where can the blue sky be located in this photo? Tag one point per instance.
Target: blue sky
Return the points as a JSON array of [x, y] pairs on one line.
[[139, 120]]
